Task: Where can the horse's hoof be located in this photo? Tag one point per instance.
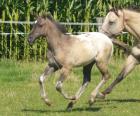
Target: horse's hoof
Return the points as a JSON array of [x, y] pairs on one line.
[[48, 102], [70, 106], [91, 102], [107, 91], [73, 98], [100, 96]]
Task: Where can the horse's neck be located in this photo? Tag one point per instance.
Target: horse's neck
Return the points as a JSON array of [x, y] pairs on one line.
[[54, 37], [132, 24]]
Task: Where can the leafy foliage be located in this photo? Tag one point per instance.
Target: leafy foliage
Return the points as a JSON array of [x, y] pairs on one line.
[[16, 46]]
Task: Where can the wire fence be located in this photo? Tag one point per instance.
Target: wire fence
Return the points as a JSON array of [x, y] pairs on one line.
[[14, 44], [63, 23], [32, 22]]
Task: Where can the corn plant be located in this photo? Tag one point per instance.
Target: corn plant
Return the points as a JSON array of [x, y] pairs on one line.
[[17, 47]]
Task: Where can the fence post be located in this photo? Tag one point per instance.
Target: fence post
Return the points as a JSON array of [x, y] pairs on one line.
[[99, 20]]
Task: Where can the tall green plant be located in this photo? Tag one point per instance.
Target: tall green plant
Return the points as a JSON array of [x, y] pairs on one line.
[[16, 46]]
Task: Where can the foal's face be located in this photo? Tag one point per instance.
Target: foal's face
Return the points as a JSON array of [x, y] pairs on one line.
[[37, 30], [113, 23]]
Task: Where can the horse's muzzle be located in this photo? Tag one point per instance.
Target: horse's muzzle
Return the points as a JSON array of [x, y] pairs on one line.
[[30, 40], [110, 35]]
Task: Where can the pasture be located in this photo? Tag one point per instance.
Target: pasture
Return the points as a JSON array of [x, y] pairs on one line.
[[19, 92]]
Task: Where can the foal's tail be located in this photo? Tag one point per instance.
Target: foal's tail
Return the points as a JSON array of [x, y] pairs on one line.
[[110, 50], [109, 47]]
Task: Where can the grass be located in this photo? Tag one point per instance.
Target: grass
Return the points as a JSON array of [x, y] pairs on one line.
[[19, 92]]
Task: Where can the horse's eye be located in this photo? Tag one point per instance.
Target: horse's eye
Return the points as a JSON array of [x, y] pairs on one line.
[[111, 22], [40, 25]]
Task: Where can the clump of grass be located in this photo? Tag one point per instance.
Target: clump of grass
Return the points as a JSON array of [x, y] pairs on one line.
[[12, 71]]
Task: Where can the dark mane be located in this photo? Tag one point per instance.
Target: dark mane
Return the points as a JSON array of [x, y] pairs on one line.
[[115, 10], [131, 7], [134, 8], [57, 24]]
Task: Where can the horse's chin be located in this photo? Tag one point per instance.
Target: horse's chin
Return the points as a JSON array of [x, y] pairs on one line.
[[31, 40], [110, 34], [31, 43], [115, 35], [106, 33]]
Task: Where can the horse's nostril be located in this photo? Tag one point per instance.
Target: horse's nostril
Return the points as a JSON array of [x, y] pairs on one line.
[[30, 39]]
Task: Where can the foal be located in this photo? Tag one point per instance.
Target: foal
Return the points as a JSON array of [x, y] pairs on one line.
[[68, 51]]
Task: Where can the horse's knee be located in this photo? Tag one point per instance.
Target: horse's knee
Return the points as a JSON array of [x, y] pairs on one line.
[[41, 79], [58, 86], [120, 78], [107, 76]]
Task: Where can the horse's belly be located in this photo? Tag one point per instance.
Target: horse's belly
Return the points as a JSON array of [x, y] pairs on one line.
[[83, 62], [84, 55]]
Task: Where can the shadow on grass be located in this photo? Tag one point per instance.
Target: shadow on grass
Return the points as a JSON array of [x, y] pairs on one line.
[[120, 100], [89, 109], [80, 109]]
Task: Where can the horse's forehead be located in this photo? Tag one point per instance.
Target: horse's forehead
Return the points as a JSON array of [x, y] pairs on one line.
[[111, 16]]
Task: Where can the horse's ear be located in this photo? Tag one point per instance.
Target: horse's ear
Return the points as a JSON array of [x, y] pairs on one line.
[[35, 15], [46, 15], [43, 15], [49, 14], [50, 17], [110, 6]]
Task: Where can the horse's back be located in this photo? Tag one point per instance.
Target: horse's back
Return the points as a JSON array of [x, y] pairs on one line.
[[97, 39], [103, 43], [90, 45], [101, 40], [96, 36]]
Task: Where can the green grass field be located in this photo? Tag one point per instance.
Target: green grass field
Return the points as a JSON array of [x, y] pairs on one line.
[[20, 96]]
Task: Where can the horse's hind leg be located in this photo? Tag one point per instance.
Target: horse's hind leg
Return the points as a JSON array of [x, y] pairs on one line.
[[48, 70], [102, 66], [86, 80], [130, 64]]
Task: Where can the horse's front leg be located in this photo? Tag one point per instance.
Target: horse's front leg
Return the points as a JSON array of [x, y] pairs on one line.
[[64, 73], [48, 70]]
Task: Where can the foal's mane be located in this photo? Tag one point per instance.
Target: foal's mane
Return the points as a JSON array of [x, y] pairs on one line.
[[59, 26], [133, 8]]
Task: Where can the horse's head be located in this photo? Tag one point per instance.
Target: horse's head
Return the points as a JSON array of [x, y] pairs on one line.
[[113, 23], [38, 29]]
